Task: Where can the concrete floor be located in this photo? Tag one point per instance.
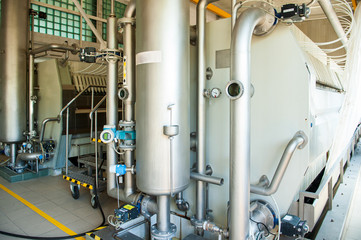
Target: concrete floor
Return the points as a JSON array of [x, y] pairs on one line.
[[51, 195]]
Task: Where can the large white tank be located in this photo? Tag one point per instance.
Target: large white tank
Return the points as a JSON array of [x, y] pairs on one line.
[[286, 100]]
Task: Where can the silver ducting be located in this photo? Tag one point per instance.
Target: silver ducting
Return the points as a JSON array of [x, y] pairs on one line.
[[162, 69], [239, 91], [13, 51]]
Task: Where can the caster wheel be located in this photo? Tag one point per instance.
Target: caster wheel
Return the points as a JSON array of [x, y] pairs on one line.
[[93, 202], [75, 191]]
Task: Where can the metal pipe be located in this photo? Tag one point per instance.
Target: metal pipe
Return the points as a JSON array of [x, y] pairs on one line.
[[112, 99], [235, 8], [298, 141], [14, 151], [32, 98], [240, 122], [90, 24], [112, 8], [333, 19], [182, 204], [28, 156], [43, 125], [201, 108], [129, 84], [67, 142], [163, 216], [207, 179], [73, 48]]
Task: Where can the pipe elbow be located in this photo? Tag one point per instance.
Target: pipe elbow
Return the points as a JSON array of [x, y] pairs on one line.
[[130, 9]]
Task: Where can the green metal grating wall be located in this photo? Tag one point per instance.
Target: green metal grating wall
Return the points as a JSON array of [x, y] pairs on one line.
[[63, 24]]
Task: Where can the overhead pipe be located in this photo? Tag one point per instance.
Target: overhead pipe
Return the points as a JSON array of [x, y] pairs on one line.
[[298, 141], [32, 97], [239, 91], [201, 109], [333, 19]]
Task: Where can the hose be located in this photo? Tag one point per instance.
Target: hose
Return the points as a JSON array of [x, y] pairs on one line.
[[62, 237]]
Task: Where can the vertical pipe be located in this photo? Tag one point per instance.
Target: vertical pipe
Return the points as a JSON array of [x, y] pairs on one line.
[[31, 95], [112, 99], [112, 8], [240, 123], [96, 149], [163, 216], [66, 142], [13, 149], [129, 84], [13, 56], [201, 110]]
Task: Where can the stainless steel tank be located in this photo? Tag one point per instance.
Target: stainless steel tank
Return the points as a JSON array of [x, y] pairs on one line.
[[162, 100], [13, 52]]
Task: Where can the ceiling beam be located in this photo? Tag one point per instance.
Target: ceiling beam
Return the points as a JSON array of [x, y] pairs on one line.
[[215, 10]]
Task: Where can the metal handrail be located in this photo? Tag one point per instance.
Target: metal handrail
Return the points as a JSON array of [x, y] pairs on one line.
[[78, 95], [97, 106]]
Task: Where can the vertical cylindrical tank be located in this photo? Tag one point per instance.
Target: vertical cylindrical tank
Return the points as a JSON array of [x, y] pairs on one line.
[[162, 85], [13, 53]]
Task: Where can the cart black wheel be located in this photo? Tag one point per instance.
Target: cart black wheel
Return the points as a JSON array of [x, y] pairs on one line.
[[93, 202], [75, 191]]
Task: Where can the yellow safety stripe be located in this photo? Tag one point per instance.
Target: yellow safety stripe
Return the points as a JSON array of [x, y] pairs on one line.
[[77, 182], [90, 234], [41, 213]]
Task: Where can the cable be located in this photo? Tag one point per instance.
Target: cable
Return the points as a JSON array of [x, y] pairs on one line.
[[62, 237], [264, 225]]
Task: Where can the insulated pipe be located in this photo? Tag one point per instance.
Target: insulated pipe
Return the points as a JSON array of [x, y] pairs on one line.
[[333, 19], [298, 141], [240, 121], [201, 111], [129, 84]]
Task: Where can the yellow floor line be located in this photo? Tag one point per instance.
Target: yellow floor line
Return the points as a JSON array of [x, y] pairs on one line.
[[41, 213]]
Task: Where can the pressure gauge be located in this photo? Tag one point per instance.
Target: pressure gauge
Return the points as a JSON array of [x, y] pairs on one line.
[[216, 92], [107, 136]]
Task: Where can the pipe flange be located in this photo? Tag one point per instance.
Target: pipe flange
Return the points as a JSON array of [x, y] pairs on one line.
[[125, 20], [198, 224], [126, 124], [144, 211], [303, 135], [156, 234], [126, 147]]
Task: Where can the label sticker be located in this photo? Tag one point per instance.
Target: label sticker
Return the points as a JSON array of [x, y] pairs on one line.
[[148, 57]]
